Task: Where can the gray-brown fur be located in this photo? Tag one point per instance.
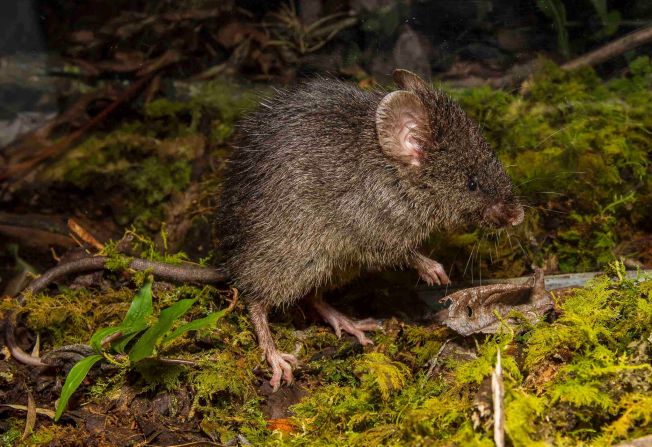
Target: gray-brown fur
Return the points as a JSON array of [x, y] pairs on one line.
[[311, 196]]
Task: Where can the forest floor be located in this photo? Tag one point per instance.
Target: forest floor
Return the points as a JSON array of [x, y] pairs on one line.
[[578, 149]]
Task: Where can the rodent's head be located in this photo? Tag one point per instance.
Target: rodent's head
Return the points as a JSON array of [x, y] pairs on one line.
[[443, 154]]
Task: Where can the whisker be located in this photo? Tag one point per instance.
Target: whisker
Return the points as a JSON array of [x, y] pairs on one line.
[[467, 261], [473, 261], [552, 135], [479, 265], [450, 270], [467, 264], [496, 247], [557, 174], [523, 250], [553, 211]]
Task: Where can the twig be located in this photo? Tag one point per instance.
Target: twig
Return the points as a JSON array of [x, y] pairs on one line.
[[612, 49], [638, 442], [30, 419], [16, 352], [168, 361], [498, 391], [433, 361], [84, 235], [43, 411], [179, 273]]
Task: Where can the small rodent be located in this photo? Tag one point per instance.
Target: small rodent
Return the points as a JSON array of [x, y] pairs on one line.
[[326, 180]]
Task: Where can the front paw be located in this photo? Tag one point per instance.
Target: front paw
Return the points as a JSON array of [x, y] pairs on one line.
[[432, 272]]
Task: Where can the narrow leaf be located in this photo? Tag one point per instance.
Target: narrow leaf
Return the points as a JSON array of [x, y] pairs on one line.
[[73, 380], [134, 321], [30, 420], [141, 306], [146, 344], [101, 334], [120, 344], [195, 325]]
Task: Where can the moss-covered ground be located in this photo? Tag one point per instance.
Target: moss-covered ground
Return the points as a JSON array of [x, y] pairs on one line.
[[578, 149]]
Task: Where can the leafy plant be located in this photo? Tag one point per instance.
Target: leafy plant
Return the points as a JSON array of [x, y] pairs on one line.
[[111, 343]]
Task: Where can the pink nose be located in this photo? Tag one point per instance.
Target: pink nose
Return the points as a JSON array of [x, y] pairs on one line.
[[502, 214]]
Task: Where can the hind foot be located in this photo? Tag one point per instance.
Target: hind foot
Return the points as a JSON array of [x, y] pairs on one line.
[[341, 322], [282, 365]]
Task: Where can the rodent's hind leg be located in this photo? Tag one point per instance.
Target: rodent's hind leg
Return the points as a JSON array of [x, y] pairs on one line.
[[431, 271], [341, 322], [280, 362]]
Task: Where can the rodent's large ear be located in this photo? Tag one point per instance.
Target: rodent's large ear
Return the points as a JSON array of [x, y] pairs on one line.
[[402, 125], [408, 80]]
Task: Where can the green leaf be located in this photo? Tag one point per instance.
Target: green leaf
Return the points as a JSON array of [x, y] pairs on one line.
[[120, 345], [101, 334], [73, 380], [134, 321], [146, 344], [141, 306], [195, 325]]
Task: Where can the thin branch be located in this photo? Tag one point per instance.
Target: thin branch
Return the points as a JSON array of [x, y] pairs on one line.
[[162, 270], [498, 391], [612, 49]]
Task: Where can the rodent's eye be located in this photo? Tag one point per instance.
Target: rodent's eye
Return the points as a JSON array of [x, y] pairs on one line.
[[473, 183]]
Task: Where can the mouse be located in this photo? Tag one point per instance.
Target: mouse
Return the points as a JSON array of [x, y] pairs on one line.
[[327, 180]]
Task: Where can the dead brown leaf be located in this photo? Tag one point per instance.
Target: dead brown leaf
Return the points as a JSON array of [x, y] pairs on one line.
[[484, 309]]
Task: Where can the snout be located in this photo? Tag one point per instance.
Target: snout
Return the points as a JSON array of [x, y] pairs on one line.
[[503, 214]]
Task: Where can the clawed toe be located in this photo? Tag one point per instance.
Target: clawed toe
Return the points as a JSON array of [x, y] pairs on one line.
[[431, 271], [341, 322], [368, 324], [282, 365], [292, 360]]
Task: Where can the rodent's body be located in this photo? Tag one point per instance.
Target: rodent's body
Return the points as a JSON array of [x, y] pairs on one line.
[[310, 194], [326, 180]]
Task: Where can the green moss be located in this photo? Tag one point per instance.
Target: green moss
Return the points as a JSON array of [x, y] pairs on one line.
[[379, 373], [143, 162], [13, 434], [476, 370], [522, 412], [582, 379]]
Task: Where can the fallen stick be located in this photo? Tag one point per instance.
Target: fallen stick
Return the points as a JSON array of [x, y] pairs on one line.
[[162, 270], [612, 49], [552, 282]]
